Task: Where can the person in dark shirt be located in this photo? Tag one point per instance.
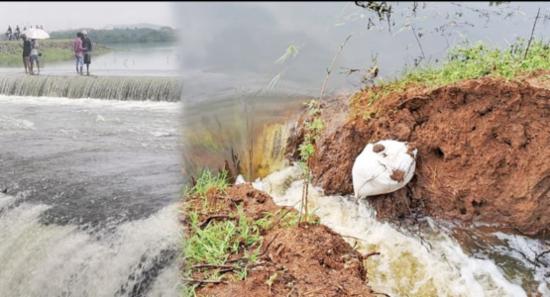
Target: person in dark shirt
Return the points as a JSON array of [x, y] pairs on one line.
[[27, 47], [9, 34], [17, 32], [87, 45]]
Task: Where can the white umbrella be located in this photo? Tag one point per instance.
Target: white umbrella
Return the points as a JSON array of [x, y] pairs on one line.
[[35, 33]]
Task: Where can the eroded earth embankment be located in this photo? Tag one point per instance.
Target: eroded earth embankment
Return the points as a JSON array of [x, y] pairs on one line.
[[483, 150]]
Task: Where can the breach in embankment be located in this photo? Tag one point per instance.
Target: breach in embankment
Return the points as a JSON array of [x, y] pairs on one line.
[[481, 127], [103, 87]]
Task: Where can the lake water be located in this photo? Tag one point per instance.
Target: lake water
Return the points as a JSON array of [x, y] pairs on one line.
[[230, 47], [123, 60]]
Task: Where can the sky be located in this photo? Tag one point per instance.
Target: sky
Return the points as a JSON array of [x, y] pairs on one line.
[[69, 15]]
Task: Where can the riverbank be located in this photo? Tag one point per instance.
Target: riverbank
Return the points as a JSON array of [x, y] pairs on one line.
[[53, 50], [238, 242], [480, 124]]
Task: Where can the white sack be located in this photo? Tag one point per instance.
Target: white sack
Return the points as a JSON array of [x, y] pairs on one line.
[[382, 167]]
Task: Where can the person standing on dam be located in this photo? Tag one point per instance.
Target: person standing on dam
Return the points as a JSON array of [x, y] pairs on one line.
[[78, 52], [27, 46], [17, 33], [34, 57], [87, 44], [9, 34]]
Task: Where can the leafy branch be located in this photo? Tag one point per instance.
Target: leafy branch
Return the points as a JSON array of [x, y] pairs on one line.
[[313, 127]]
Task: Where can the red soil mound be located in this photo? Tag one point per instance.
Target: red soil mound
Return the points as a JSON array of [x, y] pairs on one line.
[[297, 260], [483, 152], [306, 260]]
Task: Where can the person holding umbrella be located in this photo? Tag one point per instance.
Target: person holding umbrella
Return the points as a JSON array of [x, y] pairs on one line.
[[34, 34], [34, 56]]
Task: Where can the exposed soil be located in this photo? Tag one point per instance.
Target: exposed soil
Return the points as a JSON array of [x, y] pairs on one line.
[[299, 260], [483, 151]]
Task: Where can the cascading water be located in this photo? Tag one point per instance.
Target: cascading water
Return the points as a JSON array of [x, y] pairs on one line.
[[248, 131], [423, 262], [103, 87], [137, 259], [88, 198]]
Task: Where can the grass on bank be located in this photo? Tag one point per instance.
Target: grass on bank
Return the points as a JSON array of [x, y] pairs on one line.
[[212, 245], [53, 50], [462, 63], [215, 243]]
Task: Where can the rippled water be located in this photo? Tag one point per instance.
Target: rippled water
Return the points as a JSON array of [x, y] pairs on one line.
[[88, 197], [421, 259]]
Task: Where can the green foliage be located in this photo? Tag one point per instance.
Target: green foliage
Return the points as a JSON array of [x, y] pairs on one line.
[[313, 128], [306, 150], [216, 242], [189, 290], [126, 35], [470, 62], [212, 244], [207, 181]]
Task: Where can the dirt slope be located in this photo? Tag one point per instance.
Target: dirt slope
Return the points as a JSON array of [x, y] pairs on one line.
[[483, 151], [296, 260]]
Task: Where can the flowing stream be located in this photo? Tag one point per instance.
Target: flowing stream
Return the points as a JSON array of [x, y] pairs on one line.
[[88, 197], [421, 260]]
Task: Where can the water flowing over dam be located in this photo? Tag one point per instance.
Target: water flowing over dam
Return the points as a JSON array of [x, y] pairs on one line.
[[88, 197], [102, 87], [246, 133]]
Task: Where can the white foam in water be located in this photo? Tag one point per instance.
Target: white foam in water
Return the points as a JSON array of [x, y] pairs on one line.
[[521, 248], [121, 104], [41, 261], [11, 123], [405, 266], [6, 201]]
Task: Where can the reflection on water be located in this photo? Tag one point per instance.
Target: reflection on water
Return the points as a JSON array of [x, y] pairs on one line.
[[235, 45], [247, 132]]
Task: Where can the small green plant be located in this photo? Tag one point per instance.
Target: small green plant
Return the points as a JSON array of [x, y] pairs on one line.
[[312, 130], [216, 242], [189, 290], [207, 181], [212, 244]]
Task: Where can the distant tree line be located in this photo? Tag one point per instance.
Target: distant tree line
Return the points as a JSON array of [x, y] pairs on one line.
[[126, 35]]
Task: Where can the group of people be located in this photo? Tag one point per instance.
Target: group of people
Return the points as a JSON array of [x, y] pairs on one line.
[[15, 34], [82, 46], [30, 55]]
